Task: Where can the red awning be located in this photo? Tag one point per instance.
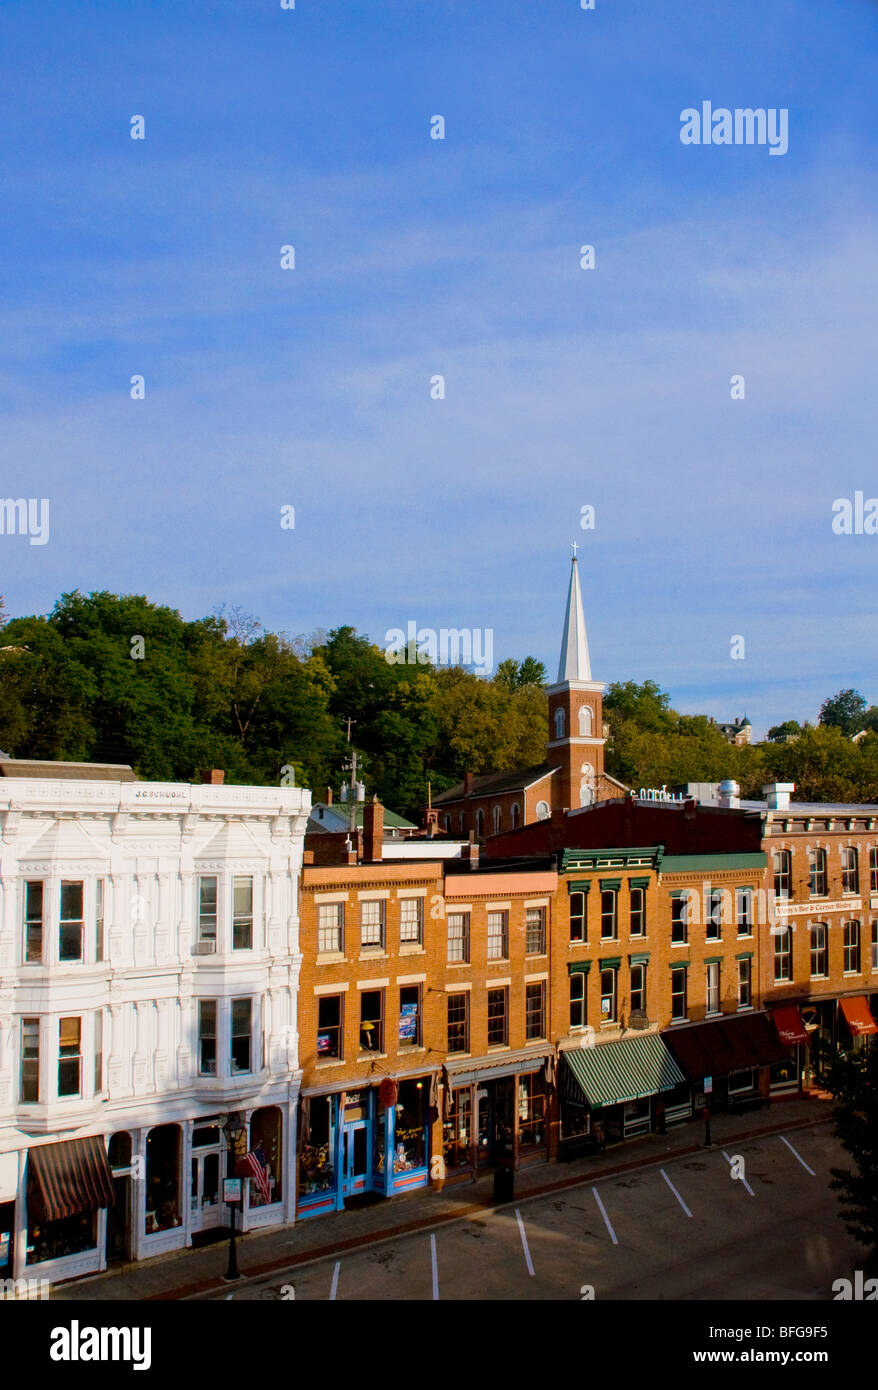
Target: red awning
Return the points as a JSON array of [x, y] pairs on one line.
[[788, 1022], [858, 1015], [727, 1045], [69, 1178]]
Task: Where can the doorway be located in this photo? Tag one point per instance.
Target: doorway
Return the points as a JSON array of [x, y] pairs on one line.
[[118, 1225], [205, 1190], [355, 1157]]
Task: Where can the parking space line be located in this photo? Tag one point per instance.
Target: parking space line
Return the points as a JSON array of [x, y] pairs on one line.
[[435, 1264], [675, 1192], [603, 1211], [786, 1141], [742, 1181], [334, 1290], [527, 1260]]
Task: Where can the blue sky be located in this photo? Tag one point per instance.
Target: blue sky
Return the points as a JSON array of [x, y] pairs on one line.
[[460, 257]]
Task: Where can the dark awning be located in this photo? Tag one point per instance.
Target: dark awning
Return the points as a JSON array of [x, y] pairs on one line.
[[70, 1177], [788, 1022], [614, 1072], [858, 1015], [493, 1068], [726, 1046]]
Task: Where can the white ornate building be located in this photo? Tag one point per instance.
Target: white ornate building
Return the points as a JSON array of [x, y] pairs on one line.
[[149, 961]]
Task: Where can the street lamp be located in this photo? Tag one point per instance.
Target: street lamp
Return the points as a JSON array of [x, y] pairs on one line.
[[233, 1130]]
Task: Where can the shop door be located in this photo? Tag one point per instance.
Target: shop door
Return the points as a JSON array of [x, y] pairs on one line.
[[205, 1190], [118, 1248], [355, 1157]]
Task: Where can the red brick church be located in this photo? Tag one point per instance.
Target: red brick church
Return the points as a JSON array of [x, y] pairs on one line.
[[573, 773]]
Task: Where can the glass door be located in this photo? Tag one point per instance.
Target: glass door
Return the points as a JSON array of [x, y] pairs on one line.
[[205, 1190], [355, 1158]]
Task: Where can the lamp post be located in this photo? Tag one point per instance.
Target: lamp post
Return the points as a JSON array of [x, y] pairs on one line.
[[233, 1129]]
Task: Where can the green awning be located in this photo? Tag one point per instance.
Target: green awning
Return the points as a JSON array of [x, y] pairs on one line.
[[614, 1072]]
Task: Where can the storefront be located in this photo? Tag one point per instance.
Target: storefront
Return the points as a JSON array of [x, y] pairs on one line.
[[858, 1022], [617, 1090], [67, 1185], [786, 1075], [368, 1139], [495, 1115], [736, 1053]]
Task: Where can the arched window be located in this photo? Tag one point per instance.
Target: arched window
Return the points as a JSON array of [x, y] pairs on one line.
[[447, 822], [460, 821], [585, 721], [586, 784], [495, 817], [543, 810], [480, 822], [515, 814], [559, 722]]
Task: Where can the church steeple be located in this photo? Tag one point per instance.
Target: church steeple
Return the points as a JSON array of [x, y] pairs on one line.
[[574, 664]]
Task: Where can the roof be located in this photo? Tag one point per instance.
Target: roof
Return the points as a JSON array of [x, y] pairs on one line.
[[79, 772], [493, 783], [814, 808], [338, 817]]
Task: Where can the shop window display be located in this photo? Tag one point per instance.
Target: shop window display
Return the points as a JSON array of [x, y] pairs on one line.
[[162, 1178], [411, 1120], [316, 1169], [457, 1131], [531, 1110], [266, 1130], [52, 1240]]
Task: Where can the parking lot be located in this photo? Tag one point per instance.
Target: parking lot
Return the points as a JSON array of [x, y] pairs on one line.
[[756, 1221]]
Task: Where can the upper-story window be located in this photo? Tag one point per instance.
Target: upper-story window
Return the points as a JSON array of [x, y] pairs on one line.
[[498, 935], [207, 896], [744, 911], [783, 954], [69, 1056], [207, 1037], [242, 1039], [609, 915], [99, 919], [242, 920], [458, 936], [637, 926], [585, 721], [783, 873], [817, 873], [852, 948], [515, 815], [873, 870], [850, 874], [411, 920], [577, 917], [679, 920], [372, 923], [29, 1086], [33, 923], [535, 931], [330, 928], [560, 722], [713, 929], [71, 922], [480, 822]]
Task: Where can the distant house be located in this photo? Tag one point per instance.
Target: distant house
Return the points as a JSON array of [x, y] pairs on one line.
[[738, 733]]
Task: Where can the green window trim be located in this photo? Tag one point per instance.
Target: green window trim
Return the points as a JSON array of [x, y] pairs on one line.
[[639, 960], [744, 955], [578, 885], [579, 967], [614, 963], [610, 885], [679, 965], [714, 960], [638, 883]]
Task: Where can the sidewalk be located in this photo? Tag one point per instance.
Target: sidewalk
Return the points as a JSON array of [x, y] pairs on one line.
[[190, 1272]]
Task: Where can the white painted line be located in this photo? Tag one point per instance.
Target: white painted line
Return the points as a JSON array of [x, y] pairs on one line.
[[334, 1290], [783, 1140], [530, 1268], [675, 1192], [743, 1181], [603, 1211], [435, 1267]]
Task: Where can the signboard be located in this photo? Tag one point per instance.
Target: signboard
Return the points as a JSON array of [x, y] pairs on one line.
[[815, 908], [408, 1023], [232, 1190], [708, 1085]]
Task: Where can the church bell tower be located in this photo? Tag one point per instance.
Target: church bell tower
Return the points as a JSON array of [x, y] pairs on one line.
[[576, 742]]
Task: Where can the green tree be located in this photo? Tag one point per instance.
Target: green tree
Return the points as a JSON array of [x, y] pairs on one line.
[[844, 711], [852, 1081], [780, 733]]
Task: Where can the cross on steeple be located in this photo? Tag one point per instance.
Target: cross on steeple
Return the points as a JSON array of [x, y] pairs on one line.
[[575, 548]]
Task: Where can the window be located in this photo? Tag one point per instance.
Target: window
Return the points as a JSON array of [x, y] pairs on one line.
[[585, 722], [608, 995], [875, 943], [817, 873], [678, 992], [33, 923], [207, 1037], [241, 1035], [207, 910], [372, 923], [498, 935], [638, 989], [783, 954], [496, 818], [99, 1050], [637, 926], [458, 1022], [850, 874], [542, 810], [714, 923], [29, 1090], [329, 1025], [372, 1020], [536, 931], [852, 948], [577, 916], [608, 914], [516, 814], [560, 721], [713, 987], [410, 1016], [480, 823], [873, 870], [744, 911], [497, 1016], [69, 1056], [70, 932], [679, 920], [242, 920], [783, 873], [330, 928], [410, 920], [535, 1009], [578, 1005], [458, 936], [531, 1109], [745, 974], [818, 951], [99, 919]]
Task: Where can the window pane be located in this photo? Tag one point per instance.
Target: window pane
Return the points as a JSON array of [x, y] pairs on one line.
[[207, 909], [410, 919], [33, 916], [329, 1026], [242, 925], [241, 1057]]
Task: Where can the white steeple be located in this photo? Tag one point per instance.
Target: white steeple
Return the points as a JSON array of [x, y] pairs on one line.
[[574, 664]]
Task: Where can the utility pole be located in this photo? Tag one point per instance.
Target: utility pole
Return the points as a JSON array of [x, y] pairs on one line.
[[352, 785]]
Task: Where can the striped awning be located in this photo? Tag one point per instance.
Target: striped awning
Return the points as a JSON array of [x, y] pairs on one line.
[[614, 1072], [70, 1177]]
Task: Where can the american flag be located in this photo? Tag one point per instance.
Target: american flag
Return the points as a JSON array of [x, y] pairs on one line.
[[254, 1165]]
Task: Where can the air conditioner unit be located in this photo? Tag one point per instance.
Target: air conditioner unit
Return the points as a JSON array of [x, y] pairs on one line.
[[204, 948]]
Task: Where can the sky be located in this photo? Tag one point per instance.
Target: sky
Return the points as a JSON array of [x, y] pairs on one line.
[[414, 258]]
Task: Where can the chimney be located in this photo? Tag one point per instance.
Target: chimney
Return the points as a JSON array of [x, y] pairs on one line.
[[471, 851], [329, 796], [777, 794], [213, 777], [373, 830], [468, 783]]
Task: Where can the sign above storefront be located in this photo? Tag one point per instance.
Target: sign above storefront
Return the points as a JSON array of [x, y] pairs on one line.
[[816, 908]]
